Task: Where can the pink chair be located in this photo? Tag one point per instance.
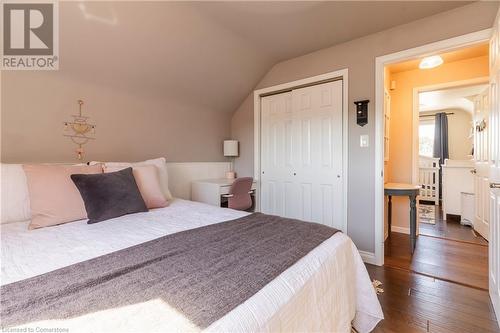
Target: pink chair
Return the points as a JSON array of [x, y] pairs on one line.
[[239, 194]]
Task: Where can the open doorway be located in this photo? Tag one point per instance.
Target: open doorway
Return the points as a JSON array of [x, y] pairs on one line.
[[446, 128], [432, 118]]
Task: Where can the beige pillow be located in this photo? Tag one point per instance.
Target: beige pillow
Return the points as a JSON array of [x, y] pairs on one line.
[[54, 198], [148, 182], [159, 163]]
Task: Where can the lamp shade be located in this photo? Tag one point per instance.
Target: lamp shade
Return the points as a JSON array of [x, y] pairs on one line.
[[230, 148]]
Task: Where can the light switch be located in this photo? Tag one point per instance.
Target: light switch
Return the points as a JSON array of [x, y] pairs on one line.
[[363, 140]]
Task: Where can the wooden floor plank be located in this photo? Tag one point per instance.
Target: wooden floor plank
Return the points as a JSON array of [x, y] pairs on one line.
[[442, 316], [436, 288], [450, 229], [415, 303], [446, 259], [441, 287]]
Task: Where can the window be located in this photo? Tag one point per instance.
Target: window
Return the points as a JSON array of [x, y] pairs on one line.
[[426, 138]]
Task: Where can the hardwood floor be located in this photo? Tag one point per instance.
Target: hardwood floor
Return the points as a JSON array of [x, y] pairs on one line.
[[442, 287], [416, 303], [450, 229], [448, 260]]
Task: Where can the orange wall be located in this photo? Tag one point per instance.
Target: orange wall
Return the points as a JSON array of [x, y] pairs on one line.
[[399, 167]]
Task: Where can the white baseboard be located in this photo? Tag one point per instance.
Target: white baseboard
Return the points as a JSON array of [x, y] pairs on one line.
[[368, 257], [401, 230], [495, 298]]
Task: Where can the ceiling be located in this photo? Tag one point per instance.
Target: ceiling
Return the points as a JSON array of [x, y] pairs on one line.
[[454, 98], [211, 54], [461, 54]]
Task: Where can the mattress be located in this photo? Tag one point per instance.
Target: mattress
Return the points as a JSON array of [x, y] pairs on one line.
[[324, 291]]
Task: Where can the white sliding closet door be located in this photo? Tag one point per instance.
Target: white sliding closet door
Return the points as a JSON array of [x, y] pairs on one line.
[[276, 154], [301, 157]]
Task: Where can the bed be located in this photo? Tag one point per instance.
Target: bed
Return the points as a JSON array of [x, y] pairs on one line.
[[326, 290]]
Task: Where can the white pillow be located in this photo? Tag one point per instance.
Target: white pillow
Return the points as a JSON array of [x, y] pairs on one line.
[[160, 163], [15, 203]]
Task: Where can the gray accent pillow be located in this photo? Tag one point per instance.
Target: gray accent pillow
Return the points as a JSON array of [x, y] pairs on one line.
[[109, 195]]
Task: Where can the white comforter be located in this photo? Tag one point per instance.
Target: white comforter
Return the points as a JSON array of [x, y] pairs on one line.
[[324, 291]]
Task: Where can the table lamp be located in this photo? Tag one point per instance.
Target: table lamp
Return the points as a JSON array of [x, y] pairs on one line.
[[231, 150]]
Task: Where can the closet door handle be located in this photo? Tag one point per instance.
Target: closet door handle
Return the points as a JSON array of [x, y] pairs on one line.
[[494, 185]]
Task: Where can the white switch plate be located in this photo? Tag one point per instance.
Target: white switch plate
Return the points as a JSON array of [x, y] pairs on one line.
[[363, 140]]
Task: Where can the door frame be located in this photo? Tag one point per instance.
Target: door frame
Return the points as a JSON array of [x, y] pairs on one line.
[[439, 86], [445, 45], [310, 81]]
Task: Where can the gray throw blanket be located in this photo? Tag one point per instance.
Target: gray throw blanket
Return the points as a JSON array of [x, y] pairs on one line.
[[204, 273]]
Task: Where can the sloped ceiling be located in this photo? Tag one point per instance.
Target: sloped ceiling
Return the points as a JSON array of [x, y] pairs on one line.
[[211, 53], [454, 98]]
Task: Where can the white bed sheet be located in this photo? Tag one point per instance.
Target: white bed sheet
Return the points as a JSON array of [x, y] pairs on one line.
[[323, 291]]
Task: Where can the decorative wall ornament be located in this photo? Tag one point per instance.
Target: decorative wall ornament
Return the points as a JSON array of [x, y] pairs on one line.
[[79, 130], [481, 125], [362, 112]]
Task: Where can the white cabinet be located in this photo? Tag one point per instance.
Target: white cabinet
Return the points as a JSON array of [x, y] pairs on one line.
[[457, 178]]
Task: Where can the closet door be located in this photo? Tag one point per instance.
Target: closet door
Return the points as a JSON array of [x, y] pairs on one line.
[[301, 154], [317, 172], [277, 145]]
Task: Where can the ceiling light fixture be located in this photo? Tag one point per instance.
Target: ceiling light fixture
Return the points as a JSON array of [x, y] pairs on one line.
[[431, 62]]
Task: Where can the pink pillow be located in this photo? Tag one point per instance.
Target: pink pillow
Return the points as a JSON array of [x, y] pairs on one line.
[[148, 182], [54, 198]]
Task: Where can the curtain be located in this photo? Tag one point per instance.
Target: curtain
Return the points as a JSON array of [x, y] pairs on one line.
[[441, 143]]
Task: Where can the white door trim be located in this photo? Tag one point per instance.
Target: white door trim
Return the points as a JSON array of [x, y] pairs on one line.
[[380, 62], [440, 86], [341, 75]]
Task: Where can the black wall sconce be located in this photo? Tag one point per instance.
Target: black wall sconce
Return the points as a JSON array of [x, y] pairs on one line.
[[362, 112]]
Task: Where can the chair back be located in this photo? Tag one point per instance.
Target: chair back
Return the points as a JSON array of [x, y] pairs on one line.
[[240, 193]]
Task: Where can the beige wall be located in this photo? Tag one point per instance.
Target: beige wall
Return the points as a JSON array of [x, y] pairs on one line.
[[400, 162], [359, 57], [129, 126], [459, 127]]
